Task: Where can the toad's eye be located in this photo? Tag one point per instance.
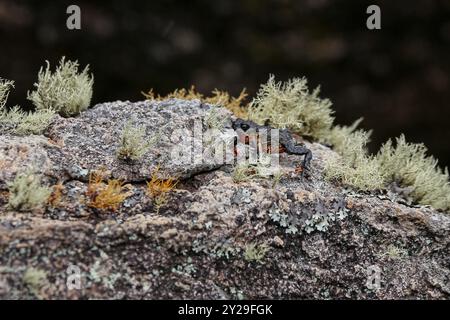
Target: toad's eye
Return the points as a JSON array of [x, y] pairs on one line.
[[244, 126]]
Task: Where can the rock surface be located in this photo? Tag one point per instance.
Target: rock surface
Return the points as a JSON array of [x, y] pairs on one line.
[[323, 240]]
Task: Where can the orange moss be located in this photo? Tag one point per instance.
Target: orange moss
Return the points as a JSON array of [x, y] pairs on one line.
[[106, 196], [55, 198], [157, 187], [236, 105]]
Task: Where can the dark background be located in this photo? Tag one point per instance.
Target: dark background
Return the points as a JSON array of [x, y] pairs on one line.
[[397, 78]]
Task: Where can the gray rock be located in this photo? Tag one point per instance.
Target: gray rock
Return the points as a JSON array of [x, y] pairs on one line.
[[324, 241]]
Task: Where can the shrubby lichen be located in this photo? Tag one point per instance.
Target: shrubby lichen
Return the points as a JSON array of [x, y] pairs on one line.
[[21, 123], [338, 135], [26, 192], [5, 87], [132, 144], [291, 105], [65, 90], [35, 279], [355, 167], [408, 165], [16, 121]]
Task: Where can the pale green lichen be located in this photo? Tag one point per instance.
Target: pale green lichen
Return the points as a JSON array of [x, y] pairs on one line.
[[65, 91], [291, 105], [132, 144], [408, 165], [18, 122], [5, 87], [355, 167], [22, 123], [26, 192], [35, 279], [255, 253], [245, 171], [215, 120], [338, 134], [393, 252]]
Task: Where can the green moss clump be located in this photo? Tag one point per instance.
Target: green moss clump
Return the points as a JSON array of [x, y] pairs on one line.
[[65, 91], [408, 165], [26, 192], [291, 105], [355, 167]]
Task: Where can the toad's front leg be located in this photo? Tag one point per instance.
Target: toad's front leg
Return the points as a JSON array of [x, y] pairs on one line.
[[292, 147]]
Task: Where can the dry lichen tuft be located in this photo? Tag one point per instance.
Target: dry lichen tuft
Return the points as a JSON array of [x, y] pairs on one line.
[[355, 167], [18, 122], [5, 87], [26, 192], [408, 165], [291, 105], [66, 91]]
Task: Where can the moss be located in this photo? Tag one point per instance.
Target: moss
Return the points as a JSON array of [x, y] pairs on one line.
[[26, 192], [158, 189], [291, 105], [106, 196], [65, 90], [355, 167], [217, 97], [408, 165], [237, 105], [54, 199]]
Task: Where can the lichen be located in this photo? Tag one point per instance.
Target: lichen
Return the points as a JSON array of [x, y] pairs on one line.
[[291, 105], [132, 144], [18, 122], [65, 90], [35, 279], [409, 165], [26, 192], [255, 253], [355, 167], [5, 87]]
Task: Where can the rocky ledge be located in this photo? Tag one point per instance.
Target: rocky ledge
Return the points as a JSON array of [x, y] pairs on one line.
[[215, 238]]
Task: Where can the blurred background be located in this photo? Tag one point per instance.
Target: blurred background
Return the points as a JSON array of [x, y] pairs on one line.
[[397, 78]]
